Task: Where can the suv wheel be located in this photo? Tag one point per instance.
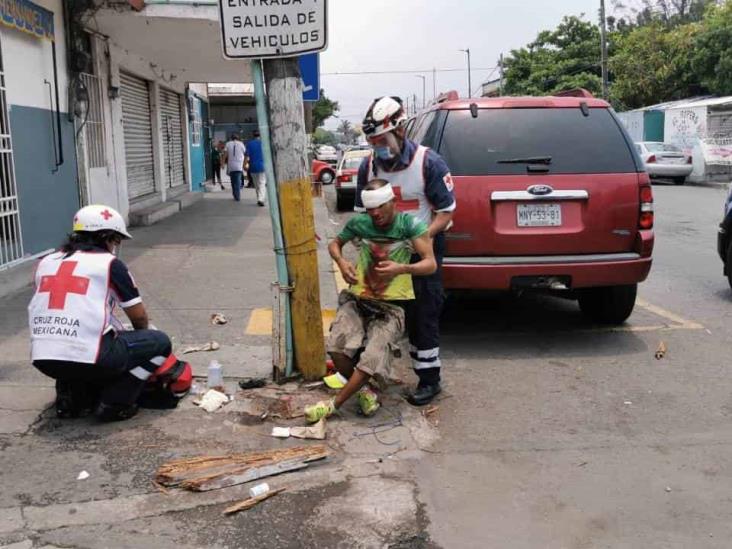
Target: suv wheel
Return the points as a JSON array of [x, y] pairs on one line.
[[679, 180], [326, 177], [608, 305]]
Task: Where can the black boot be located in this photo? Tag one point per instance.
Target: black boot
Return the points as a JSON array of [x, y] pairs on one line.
[[115, 412], [424, 394]]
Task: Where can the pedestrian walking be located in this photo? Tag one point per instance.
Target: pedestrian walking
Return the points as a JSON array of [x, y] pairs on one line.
[[75, 338], [235, 158], [423, 187], [216, 155], [370, 318], [256, 167]]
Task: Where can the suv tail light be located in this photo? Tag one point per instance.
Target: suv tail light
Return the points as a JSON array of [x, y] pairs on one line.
[[651, 159], [645, 193], [344, 178]]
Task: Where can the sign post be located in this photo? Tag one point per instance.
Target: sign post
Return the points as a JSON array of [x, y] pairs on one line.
[[277, 33]]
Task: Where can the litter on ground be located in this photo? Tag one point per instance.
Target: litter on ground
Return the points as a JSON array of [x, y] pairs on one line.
[[212, 400], [314, 432], [661, 351], [210, 346], [251, 502], [218, 319]]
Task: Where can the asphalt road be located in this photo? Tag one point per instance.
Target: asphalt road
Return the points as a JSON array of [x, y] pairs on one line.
[[555, 433]]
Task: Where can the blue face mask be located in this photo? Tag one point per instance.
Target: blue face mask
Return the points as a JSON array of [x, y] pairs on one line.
[[384, 153]]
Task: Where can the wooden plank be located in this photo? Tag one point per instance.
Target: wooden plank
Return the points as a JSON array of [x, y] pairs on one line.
[[251, 502], [248, 475]]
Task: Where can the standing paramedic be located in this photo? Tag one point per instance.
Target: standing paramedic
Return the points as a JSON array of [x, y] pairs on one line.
[[75, 339], [423, 187]]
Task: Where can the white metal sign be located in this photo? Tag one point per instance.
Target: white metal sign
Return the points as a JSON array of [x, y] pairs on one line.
[[272, 28]]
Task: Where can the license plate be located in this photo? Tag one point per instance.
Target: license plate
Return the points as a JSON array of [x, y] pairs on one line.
[[539, 215]]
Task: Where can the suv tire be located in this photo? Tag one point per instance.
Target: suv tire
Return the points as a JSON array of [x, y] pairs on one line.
[[610, 304], [679, 180], [728, 264]]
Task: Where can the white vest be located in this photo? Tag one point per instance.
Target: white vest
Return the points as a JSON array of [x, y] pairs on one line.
[[409, 186], [72, 306]]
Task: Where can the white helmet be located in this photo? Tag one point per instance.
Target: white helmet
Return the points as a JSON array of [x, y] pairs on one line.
[[384, 115], [100, 218]]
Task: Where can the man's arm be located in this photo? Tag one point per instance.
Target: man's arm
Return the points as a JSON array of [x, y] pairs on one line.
[[438, 188], [138, 316], [425, 266], [335, 248]]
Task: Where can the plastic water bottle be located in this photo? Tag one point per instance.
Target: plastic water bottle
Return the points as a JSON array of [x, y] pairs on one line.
[[215, 375]]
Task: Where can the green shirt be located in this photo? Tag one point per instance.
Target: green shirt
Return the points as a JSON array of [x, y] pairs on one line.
[[393, 243]]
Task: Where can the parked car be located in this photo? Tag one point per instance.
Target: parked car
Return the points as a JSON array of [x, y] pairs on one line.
[[346, 177], [665, 160], [323, 172], [326, 153], [551, 195], [724, 242]]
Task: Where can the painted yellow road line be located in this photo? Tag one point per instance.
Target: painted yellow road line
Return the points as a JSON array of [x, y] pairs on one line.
[[260, 321], [668, 315]]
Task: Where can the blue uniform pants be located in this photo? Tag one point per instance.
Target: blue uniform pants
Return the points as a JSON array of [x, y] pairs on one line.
[[423, 320]]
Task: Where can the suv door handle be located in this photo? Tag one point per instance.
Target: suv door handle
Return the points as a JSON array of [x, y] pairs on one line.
[[508, 196]]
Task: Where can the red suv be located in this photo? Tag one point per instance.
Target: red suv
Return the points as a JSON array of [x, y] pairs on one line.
[[551, 194]]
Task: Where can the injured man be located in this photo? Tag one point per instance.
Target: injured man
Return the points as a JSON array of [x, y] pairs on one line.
[[370, 318]]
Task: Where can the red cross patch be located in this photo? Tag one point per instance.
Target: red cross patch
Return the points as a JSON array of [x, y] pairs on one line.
[[107, 215], [63, 283]]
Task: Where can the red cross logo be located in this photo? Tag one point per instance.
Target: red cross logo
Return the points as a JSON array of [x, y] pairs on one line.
[[62, 283], [106, 214]]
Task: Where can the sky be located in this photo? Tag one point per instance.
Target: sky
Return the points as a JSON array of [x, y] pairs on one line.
[[383, 35]]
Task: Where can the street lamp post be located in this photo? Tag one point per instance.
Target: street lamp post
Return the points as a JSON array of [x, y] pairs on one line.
[[470, 85], [424, 80]]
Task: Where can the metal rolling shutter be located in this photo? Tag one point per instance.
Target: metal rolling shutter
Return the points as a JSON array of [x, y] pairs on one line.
[[138, 135], [172, 128]]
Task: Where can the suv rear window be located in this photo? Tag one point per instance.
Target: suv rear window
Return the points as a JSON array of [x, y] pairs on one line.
[[575, 143]]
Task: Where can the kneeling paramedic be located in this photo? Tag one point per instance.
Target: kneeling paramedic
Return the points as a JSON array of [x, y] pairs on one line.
[[75, 338], [370, 318]]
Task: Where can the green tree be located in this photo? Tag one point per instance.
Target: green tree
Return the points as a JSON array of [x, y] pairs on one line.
[[564, 58], [348, 132], [652, 64], [324, 137], [630, 14], [323, 109], [711, 55]]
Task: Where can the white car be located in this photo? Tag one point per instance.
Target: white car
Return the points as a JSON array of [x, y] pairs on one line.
[[665, 161], [347, 176], [326, 153]]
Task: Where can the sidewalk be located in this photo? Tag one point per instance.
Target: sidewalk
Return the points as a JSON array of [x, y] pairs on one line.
[[216, 257]]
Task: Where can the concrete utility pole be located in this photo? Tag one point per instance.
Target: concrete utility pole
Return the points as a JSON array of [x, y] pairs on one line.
[[603, 50], [284, 95], [470, 84], [500, 75], [424, 80]]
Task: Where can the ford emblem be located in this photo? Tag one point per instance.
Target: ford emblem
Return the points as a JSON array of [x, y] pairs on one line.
[[540, 190]]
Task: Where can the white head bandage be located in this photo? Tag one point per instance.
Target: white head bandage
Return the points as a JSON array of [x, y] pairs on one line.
[[377, 197]]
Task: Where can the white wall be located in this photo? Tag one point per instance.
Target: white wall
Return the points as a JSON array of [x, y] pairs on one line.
[[685, 127], [28, 62], [633, 122]]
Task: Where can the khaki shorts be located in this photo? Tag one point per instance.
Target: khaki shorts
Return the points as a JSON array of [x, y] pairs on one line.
[[377, 334]]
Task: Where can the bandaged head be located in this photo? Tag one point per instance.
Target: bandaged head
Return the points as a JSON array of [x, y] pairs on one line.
[[377, 197]]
